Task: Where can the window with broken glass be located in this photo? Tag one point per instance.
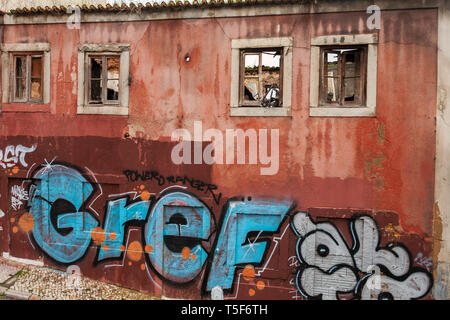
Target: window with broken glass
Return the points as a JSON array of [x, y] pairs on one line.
[[103, 80], [261, 78], [27, 77], [343, 76]]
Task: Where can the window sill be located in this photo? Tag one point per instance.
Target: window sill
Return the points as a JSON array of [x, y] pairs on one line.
[[25, 107], [342, 112], [107, 110], [260, 112]]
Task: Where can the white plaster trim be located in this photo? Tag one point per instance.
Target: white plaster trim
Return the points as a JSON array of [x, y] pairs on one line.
[[103, 47], [441, 261], [25, 47], [5, 77], [236, 45], [344, 39], [38, 263], [261, 42], [118, 111], [342, 112], [260, 112]]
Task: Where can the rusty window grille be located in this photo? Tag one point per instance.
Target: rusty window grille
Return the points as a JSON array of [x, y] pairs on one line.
[[343, 76], [103, 83], [261, 77], [27, 78]]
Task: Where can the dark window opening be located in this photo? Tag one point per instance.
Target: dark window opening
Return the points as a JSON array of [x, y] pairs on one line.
[[104, 80]]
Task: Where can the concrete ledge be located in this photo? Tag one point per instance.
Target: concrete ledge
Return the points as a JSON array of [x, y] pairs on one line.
[[17, 294], [24, 261]]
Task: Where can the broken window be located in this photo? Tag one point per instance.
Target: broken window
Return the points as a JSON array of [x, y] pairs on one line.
[[27, 77], [261, 77], [104, 79], [342, 81]]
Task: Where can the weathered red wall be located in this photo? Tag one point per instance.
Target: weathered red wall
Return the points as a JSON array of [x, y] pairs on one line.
[[381, 164]]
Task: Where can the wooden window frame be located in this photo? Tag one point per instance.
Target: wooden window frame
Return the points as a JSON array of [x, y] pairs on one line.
[[366, 109], [341, 77], [237, 45], [28, 75], [259, 51], [104, 78], [109, 107]]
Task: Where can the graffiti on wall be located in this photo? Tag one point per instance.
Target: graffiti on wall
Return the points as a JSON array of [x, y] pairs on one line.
[[12, 155], [330, 267], [149, 175], [18, 196], [181, 240], [175, 226]]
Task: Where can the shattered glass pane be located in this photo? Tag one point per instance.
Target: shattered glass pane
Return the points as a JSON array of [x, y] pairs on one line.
[[113, 67], [35, 89], [271, 78], [21, 67], [96, 90], [36, 67], [113, 90], [20, 88], [96, 68]]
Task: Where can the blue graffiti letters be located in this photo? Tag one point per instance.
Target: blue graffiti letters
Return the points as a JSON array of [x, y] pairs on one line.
[[233, 246], [117, 214], [177, 229], [177, 225], [60, 229]]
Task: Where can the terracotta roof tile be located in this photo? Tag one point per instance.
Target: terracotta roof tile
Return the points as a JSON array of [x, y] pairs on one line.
[[170, 4]]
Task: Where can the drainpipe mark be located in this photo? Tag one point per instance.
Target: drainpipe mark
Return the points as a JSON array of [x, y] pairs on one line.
[[381, 132], [442, 99], [437, 236]]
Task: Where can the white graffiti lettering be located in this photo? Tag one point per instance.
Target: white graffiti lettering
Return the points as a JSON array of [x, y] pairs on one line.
[[329, 267], [18, 194], [12, 155]]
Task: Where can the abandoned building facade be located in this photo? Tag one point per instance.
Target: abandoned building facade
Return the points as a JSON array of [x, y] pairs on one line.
[[231, 150]]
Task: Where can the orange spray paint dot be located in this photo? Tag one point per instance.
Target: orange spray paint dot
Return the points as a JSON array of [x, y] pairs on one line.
[[142, 187], [142, 267], [12, 220], [122, 248], [193, 257], [129, 263], [251, 292], [134, 251], [15, 170], [26, 222], [145, 195], [249, 272], [148, 248], [185, 253], [105, 248], [15, 229], [112, 236], [98, 235], [260, 285]]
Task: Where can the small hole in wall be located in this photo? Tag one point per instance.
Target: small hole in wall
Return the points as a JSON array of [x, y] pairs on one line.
[[126, 135], [249, 198], [187, 58]]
